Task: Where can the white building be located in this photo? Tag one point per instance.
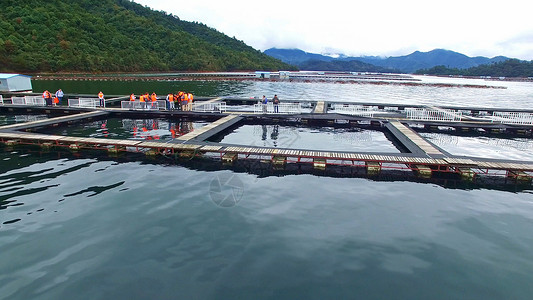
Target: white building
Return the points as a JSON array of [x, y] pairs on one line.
[[284, 74], [262, 74], [14, 82]]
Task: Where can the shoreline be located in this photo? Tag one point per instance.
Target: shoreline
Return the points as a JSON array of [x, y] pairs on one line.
[[374, 80]]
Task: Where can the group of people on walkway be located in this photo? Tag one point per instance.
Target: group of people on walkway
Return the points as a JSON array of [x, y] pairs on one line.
[[275, 101], [54, 100], [57, 98], [173, 101]]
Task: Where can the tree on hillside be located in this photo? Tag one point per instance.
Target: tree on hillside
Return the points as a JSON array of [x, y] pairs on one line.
[[114, 35], [508, 68]]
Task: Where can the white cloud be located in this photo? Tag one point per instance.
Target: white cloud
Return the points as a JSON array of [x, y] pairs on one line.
[[383, 27]]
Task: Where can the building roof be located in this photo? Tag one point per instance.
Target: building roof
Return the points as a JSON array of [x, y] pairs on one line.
[[9, 75]]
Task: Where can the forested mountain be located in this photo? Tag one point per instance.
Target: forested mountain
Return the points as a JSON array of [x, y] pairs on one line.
[[114, 35], [508, 68], [421, 60], [407, 63], [342, 65], [296, 56]]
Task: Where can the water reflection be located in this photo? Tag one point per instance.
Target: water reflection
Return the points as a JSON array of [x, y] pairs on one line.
[[515, 94], [12, 119], [138, 129], [312, 138], [482, 146]]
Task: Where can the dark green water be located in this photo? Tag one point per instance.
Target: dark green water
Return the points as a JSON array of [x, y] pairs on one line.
[[311, 138], [85, 226], [202, 88], [96, 229], [139, 129]]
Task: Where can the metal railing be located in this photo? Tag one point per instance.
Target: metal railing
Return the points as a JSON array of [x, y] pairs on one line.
[[283, 108], [18, 101], [138, 105], [35, 100], [209, 107], [28, 100], [423, 114], [358, 110], [516, 118], [84, 102]]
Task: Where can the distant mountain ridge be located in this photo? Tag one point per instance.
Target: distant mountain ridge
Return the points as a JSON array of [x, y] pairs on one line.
[[407, 63]]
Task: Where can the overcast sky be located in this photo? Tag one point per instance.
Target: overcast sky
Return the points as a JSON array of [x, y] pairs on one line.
[[385, 28]]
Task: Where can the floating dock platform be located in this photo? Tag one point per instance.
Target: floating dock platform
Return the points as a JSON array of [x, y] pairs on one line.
[[423, 158]]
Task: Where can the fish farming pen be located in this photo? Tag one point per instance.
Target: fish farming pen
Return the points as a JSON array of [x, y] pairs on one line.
[[420, 157]]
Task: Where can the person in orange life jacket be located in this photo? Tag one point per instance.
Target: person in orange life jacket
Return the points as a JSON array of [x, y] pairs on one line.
[[186, 101], [170, 101], [102, 100], [180, 100], [153, 97], [142, 101], [132, 97], [190, 97], [47, 97]]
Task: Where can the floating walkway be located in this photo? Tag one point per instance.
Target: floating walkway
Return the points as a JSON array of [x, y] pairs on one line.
[[398, 161], [412, 140], [320, 108], [56, 120], [424, 158], [207, 131]]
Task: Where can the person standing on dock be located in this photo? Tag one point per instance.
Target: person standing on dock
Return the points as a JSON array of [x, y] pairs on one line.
[[170, 101], [102, 100], [142, 102], [184, 102], [275, 100], [189, 95], [59, 96], [264, 102], [47, 98], [153, 97], [179, 99], [146, 97]]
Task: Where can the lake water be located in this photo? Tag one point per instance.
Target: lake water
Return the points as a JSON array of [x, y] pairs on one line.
[[135, 129], [310, 138], [86, 226], [483, 146], [13, 118]]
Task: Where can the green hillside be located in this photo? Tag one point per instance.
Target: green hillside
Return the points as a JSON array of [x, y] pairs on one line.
[[114, 35], [343, 65], [508, 68]]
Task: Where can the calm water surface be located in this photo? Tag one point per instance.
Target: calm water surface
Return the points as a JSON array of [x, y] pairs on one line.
[[310, 138], [137, 129], [94, 229], [88, 227], [12, 119], [482, 146], [514, 94]]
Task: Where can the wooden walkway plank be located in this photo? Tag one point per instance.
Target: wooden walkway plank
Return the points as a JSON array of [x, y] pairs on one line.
[[411, 140], [320, 108], [214, 127]]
